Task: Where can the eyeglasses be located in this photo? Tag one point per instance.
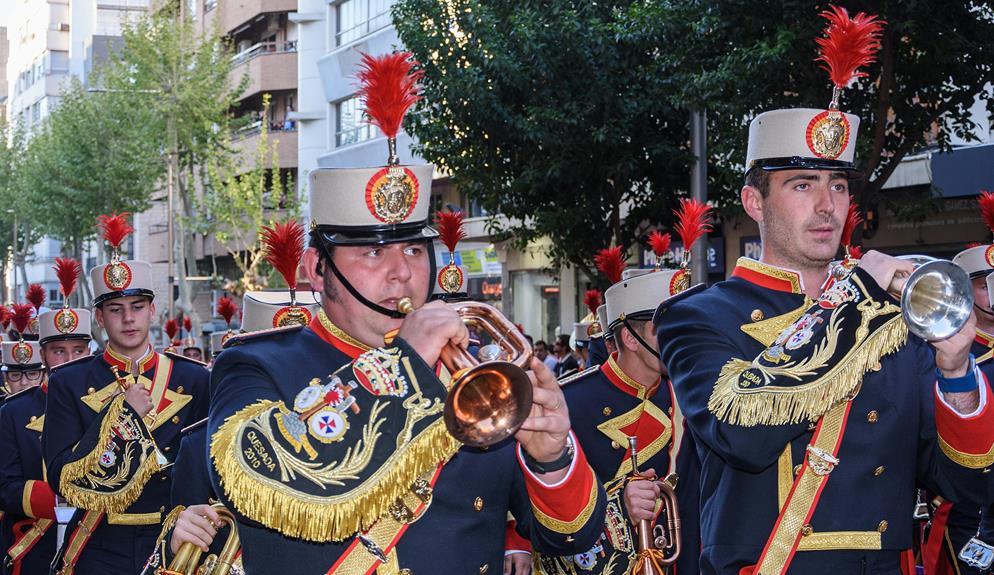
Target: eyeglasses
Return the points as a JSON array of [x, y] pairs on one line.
[[15, 376]]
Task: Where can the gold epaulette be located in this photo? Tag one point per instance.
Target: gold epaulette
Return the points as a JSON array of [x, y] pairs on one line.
[[193, 426], [577, 375], [175, 355], [241, 338], [82, 359]]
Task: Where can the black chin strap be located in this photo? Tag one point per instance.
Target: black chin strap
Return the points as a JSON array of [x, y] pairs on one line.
[[391, 313], [982, 310], [637, 337]]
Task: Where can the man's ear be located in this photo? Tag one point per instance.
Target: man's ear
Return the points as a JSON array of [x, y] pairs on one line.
[[98, 314], [752, 203], [312, 264]]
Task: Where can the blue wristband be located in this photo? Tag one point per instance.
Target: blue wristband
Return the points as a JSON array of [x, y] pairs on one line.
[[962, 384]]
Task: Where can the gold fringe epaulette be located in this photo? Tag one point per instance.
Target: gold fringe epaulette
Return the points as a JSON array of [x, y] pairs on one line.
[[806, 388], [577, 375], [316, 518], [240, 338], [79, 470]]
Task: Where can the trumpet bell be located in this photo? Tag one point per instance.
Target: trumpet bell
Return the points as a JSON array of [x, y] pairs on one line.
[[488, 403], [936, 300]]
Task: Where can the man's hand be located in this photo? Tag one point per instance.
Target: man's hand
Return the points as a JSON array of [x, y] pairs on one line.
[[196, 524], [885, 268], [952, 357], [521, 563], [543, 435], [429, 328], [139, 399], [641, 497]]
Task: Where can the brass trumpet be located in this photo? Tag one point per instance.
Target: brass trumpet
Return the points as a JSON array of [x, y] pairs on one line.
[[187, 559], [659, 546], [936, 299], [489, 400]]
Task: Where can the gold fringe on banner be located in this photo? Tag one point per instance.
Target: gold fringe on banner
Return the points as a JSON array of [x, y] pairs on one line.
[[85, 469], [773, 404], [315, 517]]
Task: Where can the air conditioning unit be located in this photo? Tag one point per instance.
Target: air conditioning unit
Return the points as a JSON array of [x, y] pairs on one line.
[[63, 27]]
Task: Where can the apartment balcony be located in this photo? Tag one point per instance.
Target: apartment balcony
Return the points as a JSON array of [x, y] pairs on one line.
[[247, 142], [269, 66], [233, 14]]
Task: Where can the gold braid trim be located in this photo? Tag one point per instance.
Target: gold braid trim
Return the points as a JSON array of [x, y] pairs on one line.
[[779, 405], [560, 526], [313, 517], [81, 469], [968, 460]]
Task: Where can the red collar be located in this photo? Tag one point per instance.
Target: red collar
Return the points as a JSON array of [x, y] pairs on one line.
[[623, 381], [984, 339], [124, 363], [332, 334], [767, 276]]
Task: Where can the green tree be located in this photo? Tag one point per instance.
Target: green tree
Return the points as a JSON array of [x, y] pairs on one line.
[[736, 58], [184, 79], [244, 193], [92, 155], [547, 116], [11, 159]]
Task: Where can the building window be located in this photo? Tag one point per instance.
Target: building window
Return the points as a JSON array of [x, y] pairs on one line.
[[36, 112], [352, 127], [357, 18]]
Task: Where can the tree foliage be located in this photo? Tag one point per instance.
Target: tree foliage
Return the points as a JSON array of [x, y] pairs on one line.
[[544, 114]]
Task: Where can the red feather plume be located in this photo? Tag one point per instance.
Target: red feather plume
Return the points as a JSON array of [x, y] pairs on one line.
[[611, 263], [986, 201], [450, 228], [853, 219], [848, 44], [693, 221], [187, 325], [284, 243], [35, 295], [388, 88], [68, 271], [973, 245], [115, 228], [21, 314], [592, 299], [660, 243], [226, 308], [5, 317], [172, 328]]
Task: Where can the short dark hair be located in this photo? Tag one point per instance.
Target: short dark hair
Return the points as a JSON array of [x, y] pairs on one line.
[[542, 343], [760, 179], [637, 325]]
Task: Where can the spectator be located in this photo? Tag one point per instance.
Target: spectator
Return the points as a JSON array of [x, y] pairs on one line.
[[542, 352], [566, 362]]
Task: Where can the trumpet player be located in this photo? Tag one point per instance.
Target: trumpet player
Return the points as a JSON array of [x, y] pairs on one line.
[[327, 441], [815, 411], [114, 423], [954, 526]]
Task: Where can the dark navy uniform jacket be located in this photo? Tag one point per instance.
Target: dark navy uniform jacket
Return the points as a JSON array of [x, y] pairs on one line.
[[27, 501], [890, 446], [463, 528], [88, 445], [606, 407]]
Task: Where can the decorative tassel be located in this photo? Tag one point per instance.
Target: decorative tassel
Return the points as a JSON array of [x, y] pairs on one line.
[[68, 271], [115, 229], [172, 328], [21, 316], [226, 308], [853, 219], [36, 295], [693, 221], [611, 263], [5, 317], [592, 299], [388, 88], [660, 244], [986, 201], [284, 245], [187, 325], [848, 44]]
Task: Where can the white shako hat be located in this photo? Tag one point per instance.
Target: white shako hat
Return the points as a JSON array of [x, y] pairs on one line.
[[272, 308], [602, 320], [978, 260], [814, 138], [119, 278], [382, 204], [65, 323], [21, 355]]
